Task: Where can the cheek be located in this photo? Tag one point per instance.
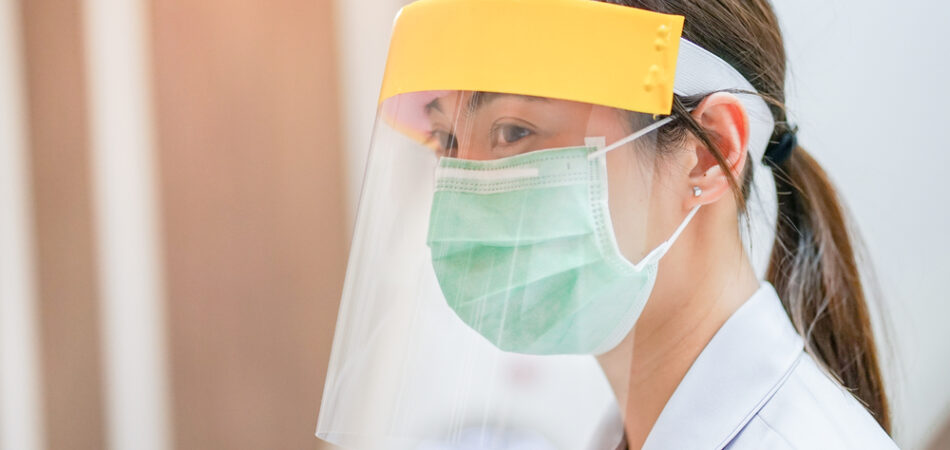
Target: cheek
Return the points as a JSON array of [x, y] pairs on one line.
[[631, 180], [630, 187], [643, 209], [643, 198]]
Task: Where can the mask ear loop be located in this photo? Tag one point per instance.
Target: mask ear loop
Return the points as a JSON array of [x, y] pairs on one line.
[[646, 130], [659, 251]]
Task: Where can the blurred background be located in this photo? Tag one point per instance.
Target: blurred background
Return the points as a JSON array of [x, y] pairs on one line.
[[178, 182]]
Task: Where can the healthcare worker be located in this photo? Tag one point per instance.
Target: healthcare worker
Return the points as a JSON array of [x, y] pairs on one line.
[[590, 225]]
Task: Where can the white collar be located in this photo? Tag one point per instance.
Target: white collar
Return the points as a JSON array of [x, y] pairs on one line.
[[734, 376]]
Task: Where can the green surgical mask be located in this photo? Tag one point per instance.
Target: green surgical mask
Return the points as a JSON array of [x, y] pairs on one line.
[[525, 254]]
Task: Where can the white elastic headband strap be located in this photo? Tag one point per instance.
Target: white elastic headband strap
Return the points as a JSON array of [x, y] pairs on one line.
[[700, 72]]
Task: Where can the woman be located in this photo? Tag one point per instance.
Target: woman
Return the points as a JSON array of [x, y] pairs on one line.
[[586, 201]]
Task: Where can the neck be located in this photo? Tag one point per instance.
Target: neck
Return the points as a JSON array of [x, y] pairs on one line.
[[692, 298]]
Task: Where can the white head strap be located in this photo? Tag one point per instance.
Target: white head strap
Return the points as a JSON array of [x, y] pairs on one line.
[[698, 71]]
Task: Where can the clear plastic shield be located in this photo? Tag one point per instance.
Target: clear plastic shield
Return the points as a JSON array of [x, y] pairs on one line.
[[497, 249], [514, 209]]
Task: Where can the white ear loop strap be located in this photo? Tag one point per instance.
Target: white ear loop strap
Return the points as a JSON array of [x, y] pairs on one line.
[[661, 249], [631, 138]]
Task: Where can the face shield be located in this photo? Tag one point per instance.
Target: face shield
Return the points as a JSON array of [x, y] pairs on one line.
[[513, 212]]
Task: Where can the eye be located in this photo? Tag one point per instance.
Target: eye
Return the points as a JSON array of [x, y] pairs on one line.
[[444, 140], [504, 134]]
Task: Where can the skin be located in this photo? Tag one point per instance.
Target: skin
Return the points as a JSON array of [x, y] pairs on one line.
[[701, 280]]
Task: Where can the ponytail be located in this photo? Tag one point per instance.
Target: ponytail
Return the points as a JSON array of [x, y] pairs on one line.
[[815, 272]]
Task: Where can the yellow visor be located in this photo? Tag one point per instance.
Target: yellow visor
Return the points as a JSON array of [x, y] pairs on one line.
[[578, 50]]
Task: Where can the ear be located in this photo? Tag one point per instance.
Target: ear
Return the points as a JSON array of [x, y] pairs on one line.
[[724, 118]]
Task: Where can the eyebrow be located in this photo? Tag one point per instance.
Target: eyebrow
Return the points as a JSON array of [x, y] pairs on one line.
[[434, 104], [480, 98]]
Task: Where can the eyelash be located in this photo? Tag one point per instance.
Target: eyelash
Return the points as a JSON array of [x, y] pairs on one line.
[[445, 146], [447, 143], [500, 128]]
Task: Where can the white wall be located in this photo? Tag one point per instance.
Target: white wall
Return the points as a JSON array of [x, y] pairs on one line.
[[868, 88], [865, 88]]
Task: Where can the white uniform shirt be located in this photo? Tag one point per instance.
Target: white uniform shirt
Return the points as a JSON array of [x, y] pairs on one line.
[[754, 387]]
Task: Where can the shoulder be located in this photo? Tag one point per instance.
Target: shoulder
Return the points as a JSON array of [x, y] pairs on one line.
[[811, 410]]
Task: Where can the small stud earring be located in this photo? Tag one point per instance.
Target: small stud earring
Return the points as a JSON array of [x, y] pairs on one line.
[[697, 191]]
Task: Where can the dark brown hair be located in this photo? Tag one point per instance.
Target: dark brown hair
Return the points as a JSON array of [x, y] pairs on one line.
[[813, 264]]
